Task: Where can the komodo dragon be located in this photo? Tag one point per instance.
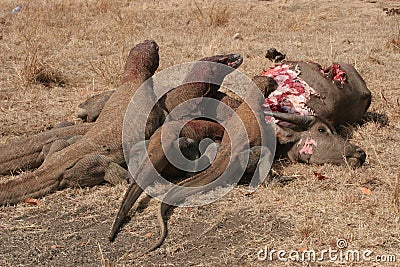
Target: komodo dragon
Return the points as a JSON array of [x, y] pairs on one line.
[[293, 142], [97, 155]]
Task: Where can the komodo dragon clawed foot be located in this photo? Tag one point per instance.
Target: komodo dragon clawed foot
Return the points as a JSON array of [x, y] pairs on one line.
[[58, 145], [90, 109], [93, 170]]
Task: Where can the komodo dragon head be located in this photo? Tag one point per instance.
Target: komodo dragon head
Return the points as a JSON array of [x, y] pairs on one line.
[[231, 60], [215, 73], [147, 54], [90, 109]]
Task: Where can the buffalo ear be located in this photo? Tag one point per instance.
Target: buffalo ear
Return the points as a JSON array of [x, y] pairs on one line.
[[286, 135]]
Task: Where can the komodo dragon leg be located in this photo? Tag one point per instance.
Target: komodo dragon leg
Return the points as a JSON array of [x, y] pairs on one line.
[[90, 109], [102, 143], [58, 145]]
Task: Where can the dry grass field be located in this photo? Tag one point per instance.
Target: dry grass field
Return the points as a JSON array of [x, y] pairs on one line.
[[55, 54]]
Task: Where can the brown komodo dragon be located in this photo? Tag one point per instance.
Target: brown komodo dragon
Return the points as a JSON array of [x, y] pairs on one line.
[[98, 154]]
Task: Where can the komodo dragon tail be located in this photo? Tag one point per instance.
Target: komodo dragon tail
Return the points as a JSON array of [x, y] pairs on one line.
[[132, 194], [29, 185], [27, 153]]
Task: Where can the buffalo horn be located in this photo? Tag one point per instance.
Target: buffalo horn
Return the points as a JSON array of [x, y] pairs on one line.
[[300, 120]]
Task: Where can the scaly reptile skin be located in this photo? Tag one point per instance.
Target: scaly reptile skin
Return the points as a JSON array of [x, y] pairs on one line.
[[195, 130], [30, 152]]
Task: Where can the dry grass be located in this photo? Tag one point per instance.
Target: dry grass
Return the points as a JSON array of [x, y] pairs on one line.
[[35, 71], [216, 16], [84, 44], [394, 42]]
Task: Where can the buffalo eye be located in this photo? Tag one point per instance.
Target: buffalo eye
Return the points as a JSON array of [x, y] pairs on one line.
[[322, 130]]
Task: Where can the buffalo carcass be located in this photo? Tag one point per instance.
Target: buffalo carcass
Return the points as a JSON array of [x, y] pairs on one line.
[[305, 91]]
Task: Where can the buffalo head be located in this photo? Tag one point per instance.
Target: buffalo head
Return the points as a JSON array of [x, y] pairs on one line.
[[314, 140]]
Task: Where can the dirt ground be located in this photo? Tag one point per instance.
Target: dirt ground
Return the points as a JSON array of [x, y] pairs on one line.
[[55, 54]]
